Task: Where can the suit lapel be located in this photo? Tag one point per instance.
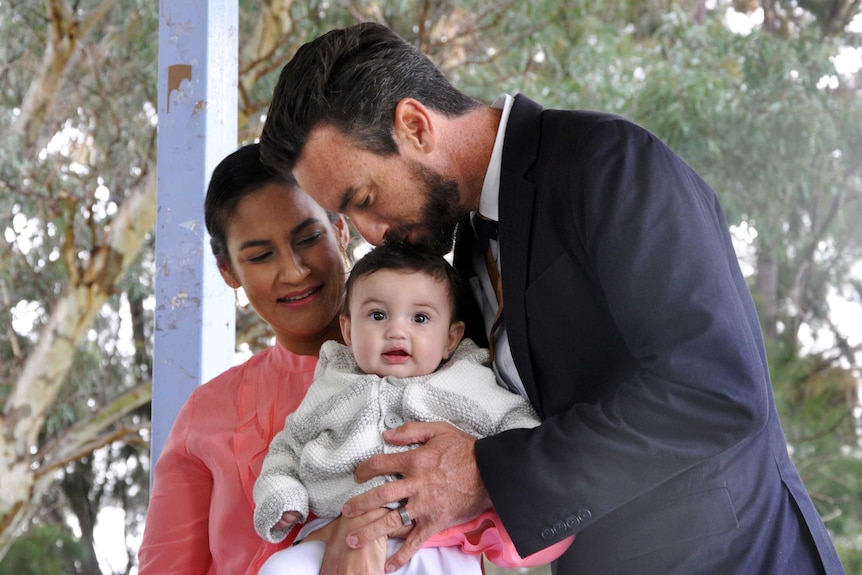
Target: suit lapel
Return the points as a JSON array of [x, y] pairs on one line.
[[517, 196]]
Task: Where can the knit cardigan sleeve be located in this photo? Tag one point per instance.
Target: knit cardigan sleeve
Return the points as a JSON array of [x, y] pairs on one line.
[[278, 488]]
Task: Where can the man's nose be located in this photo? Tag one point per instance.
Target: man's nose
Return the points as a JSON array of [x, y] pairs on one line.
[[372, 231]]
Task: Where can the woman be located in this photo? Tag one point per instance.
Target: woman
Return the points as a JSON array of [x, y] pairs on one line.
[[287, 253]]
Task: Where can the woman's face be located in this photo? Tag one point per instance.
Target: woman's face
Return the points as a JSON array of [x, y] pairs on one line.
[[287, 256]]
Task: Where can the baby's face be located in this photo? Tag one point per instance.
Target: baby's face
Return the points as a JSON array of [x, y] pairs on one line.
[[400, 323]]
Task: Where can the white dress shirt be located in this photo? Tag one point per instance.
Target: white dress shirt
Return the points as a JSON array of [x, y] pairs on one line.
[[489, 204]]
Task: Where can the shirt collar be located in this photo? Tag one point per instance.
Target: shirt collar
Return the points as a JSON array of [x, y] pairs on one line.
[[489, 201]]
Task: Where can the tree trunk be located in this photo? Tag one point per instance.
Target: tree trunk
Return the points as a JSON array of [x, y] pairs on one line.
[[77, 486], [49, 362], [765, 292], [65, 33]]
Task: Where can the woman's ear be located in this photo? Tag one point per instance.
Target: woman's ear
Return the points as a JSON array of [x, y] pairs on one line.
[[456, 334], [413, 129], [342, 232], [228, 276]]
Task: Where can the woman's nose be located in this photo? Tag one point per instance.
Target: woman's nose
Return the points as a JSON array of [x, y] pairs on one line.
[[293, 269]]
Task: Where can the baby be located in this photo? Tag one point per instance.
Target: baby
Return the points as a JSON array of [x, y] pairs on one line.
[[404, 361]]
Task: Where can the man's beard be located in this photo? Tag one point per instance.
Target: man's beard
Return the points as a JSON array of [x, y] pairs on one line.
[[440, 214]]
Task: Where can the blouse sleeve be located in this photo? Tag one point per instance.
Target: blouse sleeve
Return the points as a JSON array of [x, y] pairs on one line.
[[486, 534], [176, 536]]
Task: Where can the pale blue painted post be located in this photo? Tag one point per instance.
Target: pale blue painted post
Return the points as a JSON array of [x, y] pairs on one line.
[[195, 313]]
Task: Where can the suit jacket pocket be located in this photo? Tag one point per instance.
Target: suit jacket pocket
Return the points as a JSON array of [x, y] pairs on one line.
[[691, 517]]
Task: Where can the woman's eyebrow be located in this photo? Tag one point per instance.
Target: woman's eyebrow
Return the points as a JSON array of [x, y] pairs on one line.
[[304, 224], [296, 229]]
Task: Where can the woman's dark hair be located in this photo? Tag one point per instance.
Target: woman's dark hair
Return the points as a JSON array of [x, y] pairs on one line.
[[402, 257], [239, 174], [352, 79]]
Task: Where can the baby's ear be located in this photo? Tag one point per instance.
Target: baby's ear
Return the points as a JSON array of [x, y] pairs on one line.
[[456, 334], [344, 320]]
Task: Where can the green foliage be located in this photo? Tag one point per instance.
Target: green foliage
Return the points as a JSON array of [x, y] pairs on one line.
[[42, 550], [817, 400]]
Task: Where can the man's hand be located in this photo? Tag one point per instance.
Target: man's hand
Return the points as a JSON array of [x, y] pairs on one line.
[[440, 483]]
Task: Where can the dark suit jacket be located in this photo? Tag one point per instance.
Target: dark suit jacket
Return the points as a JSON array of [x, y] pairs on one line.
[[638, 343]]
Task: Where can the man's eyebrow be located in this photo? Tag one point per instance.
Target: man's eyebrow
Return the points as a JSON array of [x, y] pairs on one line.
[[346, 198]]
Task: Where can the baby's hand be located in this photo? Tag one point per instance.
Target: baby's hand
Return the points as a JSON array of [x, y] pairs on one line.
[[288, 520]]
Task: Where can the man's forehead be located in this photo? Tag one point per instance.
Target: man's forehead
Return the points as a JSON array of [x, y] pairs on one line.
[[320, 172]]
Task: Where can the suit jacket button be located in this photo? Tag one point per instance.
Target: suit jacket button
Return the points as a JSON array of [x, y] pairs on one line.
[[547, 534], [560, 528], [572, 521], [584, 515]]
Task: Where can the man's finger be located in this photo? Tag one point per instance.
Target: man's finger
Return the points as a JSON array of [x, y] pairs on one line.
[[382, 464], [386, 525], [404, 462], [380, 496], [413, 432]]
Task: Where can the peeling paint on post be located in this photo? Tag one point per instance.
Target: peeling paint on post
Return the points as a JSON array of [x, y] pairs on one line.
[[195, 316]]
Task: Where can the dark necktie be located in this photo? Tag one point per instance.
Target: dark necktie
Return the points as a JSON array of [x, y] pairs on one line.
[[486, 230]]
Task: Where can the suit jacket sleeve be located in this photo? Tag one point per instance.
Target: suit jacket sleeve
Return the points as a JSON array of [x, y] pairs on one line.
[[657, 362]]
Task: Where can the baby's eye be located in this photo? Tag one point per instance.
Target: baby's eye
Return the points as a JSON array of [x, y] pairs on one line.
[[421, 318], [377, 315]]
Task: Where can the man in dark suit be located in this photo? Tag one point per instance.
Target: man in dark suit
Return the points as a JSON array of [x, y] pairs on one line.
[[623, 317]]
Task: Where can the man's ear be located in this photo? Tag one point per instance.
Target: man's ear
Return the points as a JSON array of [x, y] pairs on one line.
[[414, 128], [344, 320], [228, 276], [456, 333]]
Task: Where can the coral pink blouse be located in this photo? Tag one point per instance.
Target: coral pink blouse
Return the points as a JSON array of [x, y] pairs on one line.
[[200, 516]]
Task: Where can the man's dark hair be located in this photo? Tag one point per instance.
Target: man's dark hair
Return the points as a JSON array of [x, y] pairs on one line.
[[407, 258], [352, 79]]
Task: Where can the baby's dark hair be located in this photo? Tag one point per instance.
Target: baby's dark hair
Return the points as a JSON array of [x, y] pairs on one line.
[[402, 257]]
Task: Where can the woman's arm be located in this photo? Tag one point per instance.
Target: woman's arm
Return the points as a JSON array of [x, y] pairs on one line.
[[176, 536]]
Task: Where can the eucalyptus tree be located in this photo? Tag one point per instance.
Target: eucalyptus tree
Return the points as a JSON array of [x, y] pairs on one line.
[[77, 206]]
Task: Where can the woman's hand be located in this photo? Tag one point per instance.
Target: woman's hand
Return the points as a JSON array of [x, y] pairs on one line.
[[340, 559]]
